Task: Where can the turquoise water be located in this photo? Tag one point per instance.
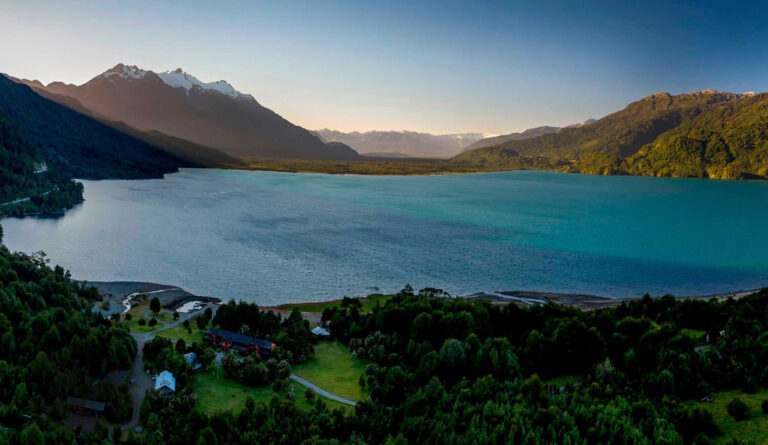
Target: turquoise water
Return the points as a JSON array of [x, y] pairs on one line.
[[277, 237]]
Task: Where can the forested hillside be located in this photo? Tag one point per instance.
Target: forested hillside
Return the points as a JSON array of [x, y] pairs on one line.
[[703, 134], [52, 346], [24, 174], [727, 142], [84, 147]]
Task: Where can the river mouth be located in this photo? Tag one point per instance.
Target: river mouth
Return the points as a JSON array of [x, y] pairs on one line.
[[274, 238]]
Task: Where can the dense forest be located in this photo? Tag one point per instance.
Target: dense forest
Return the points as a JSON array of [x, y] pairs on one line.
[[24, 173], [706, 134], [453, 371], [52, 345]]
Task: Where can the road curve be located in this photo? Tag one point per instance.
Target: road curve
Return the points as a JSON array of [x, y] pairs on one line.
[[322, 392]]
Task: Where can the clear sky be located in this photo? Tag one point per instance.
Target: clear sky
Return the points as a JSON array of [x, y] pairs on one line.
[[441, 67]]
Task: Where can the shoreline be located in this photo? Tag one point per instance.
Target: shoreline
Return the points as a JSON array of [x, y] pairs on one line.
[[121, 292]]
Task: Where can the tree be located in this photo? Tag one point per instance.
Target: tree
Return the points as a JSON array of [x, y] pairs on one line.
[[283, 369], [738, 409], [231, 366], [207, 357], [452, 357], [309, 394], [154, 305], [31, 435]]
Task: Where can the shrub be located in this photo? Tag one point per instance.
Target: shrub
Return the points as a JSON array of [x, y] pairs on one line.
[[764, 405], [309, 394], [738, 409], [153, 322], [142, 322]]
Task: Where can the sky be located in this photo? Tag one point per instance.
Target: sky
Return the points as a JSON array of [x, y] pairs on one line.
[[439, 67]]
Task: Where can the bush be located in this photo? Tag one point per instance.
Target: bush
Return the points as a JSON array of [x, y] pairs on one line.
[[765, 406], [309, 394], [142, 322], [153, 322], [738, 409], [279, 385], [128, 317]]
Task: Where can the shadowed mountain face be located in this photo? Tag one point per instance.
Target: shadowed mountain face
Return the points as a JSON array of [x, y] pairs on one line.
[[210, 114], [402, 143], [79, 145]]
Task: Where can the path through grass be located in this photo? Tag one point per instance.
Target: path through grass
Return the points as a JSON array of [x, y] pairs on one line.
[[333, 369]]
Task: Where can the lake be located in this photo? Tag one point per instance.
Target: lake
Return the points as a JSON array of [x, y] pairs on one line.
[[280, 237]]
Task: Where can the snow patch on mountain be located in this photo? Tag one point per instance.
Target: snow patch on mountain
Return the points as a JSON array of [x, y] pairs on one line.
[[126, 72], [179, 79]]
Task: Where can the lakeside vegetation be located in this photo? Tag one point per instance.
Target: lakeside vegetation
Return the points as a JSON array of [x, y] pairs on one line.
[[426, 368], [399, 167], [366, 304], [458, 371], [27, 183]]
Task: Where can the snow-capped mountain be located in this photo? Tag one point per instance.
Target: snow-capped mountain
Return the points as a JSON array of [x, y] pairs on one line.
[[214, 114]]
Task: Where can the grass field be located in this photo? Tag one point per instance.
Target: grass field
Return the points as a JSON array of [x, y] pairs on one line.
[[139, 312], [368, 302], [332, 369], [753, 430], [563, 380], [370, 166], [222, 394], [693, 333], [194, 335]]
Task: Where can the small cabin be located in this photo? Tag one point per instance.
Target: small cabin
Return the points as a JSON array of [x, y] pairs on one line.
[[165, 383], [321, 332]]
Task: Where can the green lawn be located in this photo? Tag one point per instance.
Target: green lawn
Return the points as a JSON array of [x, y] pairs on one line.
[[368, 302], [332, 369], [222, 394], [563, 380], [194, 335], [753, 430], [693, 333], [141, 311]]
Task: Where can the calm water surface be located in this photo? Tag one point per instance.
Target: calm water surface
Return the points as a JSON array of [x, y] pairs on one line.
[[278, 237]]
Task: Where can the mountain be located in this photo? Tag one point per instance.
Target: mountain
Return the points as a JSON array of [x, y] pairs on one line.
[[213, 114], [82, 146], [526, 134], [726, 142], [601, 147], [194, 153], [401, 143]]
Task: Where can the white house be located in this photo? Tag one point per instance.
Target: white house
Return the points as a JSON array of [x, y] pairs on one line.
[[165, 383], [321, 332]]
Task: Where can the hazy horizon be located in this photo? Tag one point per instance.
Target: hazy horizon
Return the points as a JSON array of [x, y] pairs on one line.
[[437, 68]]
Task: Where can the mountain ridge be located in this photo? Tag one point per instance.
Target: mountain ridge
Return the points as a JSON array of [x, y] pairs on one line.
[[210, 114], [644, 138]]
